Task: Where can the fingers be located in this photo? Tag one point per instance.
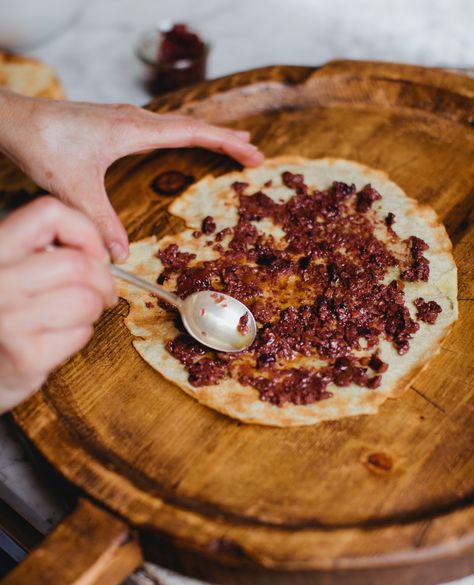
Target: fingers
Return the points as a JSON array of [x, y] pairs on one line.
[[243, 134], [55, 346], [43, 320], [110, 228], [47, 271], [147, 131], [44, 222], [188, 132], [11, 394], [95, 203], [29, 358], [60, 309], [38, 336]]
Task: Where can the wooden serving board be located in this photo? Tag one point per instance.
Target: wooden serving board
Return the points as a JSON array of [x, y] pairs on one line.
[[388, 496]]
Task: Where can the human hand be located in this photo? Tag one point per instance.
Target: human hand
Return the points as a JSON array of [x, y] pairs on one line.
[[66, 148], [48, 301]]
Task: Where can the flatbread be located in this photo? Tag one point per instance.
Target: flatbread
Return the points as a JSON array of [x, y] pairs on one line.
[[152, 328], [29, 76]]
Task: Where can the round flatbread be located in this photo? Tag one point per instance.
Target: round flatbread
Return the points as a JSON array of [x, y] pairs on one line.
[[153, 327]]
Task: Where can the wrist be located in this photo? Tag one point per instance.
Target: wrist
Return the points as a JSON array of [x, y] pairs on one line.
[[13, 113]]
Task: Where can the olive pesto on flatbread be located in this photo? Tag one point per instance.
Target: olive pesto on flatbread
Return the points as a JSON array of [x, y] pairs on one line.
[[352, 284]]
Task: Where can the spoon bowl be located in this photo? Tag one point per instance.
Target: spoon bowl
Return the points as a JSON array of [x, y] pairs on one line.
[[212, 318], [218, 321]]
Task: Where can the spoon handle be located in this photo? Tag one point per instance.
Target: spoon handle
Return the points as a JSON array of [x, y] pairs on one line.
[[160, 292]]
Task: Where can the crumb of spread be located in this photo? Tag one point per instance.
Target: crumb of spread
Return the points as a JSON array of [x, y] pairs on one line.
[[208, 225], [321, 291], [418, 268], [173, 261], [243, 325], [389, 219], [218, 298], [427, 311]]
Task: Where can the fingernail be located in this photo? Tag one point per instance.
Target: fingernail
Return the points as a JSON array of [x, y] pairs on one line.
[[257, 157], [117, 252]]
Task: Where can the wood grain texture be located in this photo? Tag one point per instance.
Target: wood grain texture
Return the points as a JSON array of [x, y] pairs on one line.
[[394, 490], [90, 547]]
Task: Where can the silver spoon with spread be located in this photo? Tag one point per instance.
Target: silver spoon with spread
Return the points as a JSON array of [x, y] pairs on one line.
[[212, 318]]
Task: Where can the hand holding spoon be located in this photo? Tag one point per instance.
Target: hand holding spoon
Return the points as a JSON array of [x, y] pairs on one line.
[[212, 318]]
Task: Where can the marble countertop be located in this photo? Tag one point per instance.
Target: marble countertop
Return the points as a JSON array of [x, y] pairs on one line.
[[95, 59]]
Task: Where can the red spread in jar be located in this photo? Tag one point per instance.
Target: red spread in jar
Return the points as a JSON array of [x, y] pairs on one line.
[[180, 61], [180, 43], [321, 291]]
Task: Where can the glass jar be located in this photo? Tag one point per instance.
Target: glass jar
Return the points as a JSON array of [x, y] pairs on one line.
[[171, 58]]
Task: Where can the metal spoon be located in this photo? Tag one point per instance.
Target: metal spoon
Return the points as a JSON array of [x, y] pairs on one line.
[[210, 317]]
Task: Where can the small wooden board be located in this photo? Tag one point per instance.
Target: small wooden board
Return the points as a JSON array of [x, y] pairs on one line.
[[371, 495]]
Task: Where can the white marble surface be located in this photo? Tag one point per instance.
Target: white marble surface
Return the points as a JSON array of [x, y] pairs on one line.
[[95, 60], [22, 488]]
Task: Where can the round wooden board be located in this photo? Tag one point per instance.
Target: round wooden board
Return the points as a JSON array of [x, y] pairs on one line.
[[301, 498]]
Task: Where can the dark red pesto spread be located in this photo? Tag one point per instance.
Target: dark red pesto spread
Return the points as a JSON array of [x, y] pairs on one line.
[[418, 268], [173, 260], [321, 291], [243, 326], [390, 219], [427, 311], [208, 225]]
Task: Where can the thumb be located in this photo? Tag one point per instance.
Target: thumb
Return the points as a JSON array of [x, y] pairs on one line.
[[97, 207], [112, 231]]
